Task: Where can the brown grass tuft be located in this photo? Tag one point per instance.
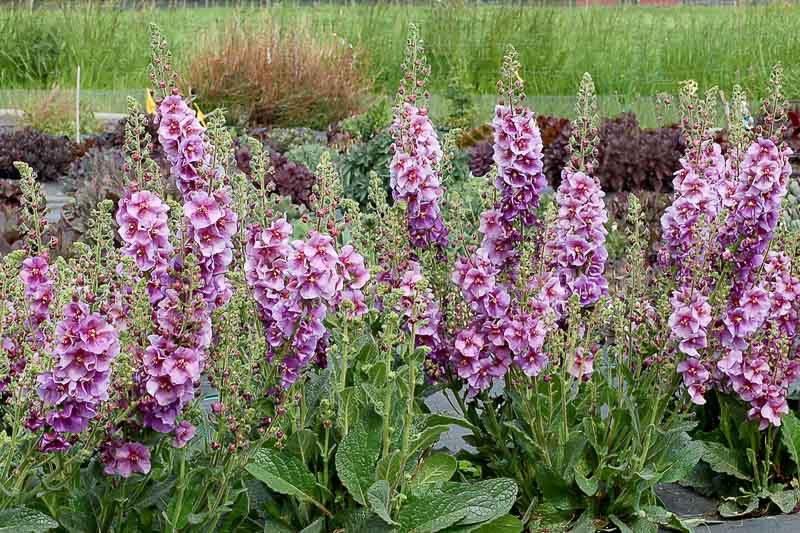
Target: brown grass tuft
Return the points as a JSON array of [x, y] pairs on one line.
[[268, 75]]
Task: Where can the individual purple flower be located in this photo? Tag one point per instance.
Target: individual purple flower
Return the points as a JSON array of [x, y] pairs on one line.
[[581, 364], [53, 442], [202, 210], [125, 459], [184, 432]]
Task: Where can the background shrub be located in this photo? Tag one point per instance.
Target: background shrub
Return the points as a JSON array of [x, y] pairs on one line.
[[48, 155], [268, 74]]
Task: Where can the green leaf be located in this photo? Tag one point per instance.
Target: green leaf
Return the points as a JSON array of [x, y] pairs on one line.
[[317, 386], [790, 435], [584, 524], [347, 412], [504, 524], [786, 500], [427, 438], [389, 466], [683, 460], [556, 490], [24, 520], [438, 467], [379, 497], [444, 420], [724, 460], [457, 503], [485, 500], [357, 457], [375, 397], [318, 526], [622, 526], [588, 486], [282, 473], [303, 444], [733, 507]]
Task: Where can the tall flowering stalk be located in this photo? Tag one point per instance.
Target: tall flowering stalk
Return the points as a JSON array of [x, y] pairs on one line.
[[518, 157], [502, 330], [413, 170], [578, 252]]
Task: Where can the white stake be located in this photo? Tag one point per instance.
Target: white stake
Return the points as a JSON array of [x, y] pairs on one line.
[[78, 106]]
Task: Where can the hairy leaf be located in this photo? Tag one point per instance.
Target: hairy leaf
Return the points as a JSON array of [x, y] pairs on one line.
[[24, 520], [282, 473], [379, 497], [724, 460], [438, 467], [356, 459], [458, 503]]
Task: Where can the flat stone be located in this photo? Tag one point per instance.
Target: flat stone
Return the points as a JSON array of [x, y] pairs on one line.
[[685, 502]]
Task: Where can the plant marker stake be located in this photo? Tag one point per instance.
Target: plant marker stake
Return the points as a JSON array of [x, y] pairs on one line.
[[78, 106]]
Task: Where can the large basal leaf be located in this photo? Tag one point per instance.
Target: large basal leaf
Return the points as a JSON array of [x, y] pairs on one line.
[[682, 460], [24, 520], [357, 458], [457, 503], [786, 500], [282, 473], [505, 524], [790, 435], [734, 507], [724, 460], [588, 486]]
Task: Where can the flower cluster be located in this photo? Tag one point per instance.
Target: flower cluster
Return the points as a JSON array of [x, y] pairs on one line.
[[762, 184], [520, 181], [35, 275], [86, 345], [174, 359], [295, 284], [500, 334], [578, 252], [756, 367], [702, 187], [428, 327], [181, 136], [212, 223], [414, 176], [689, 321], [518, 156], [142, 220]]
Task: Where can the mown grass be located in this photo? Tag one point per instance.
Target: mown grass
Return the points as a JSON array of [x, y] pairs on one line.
[[630, 51]]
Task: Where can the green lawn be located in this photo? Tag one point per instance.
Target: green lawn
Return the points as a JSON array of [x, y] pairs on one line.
[[632, 52]]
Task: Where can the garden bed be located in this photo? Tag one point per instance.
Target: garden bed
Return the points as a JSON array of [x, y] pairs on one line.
[[390, 328]]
